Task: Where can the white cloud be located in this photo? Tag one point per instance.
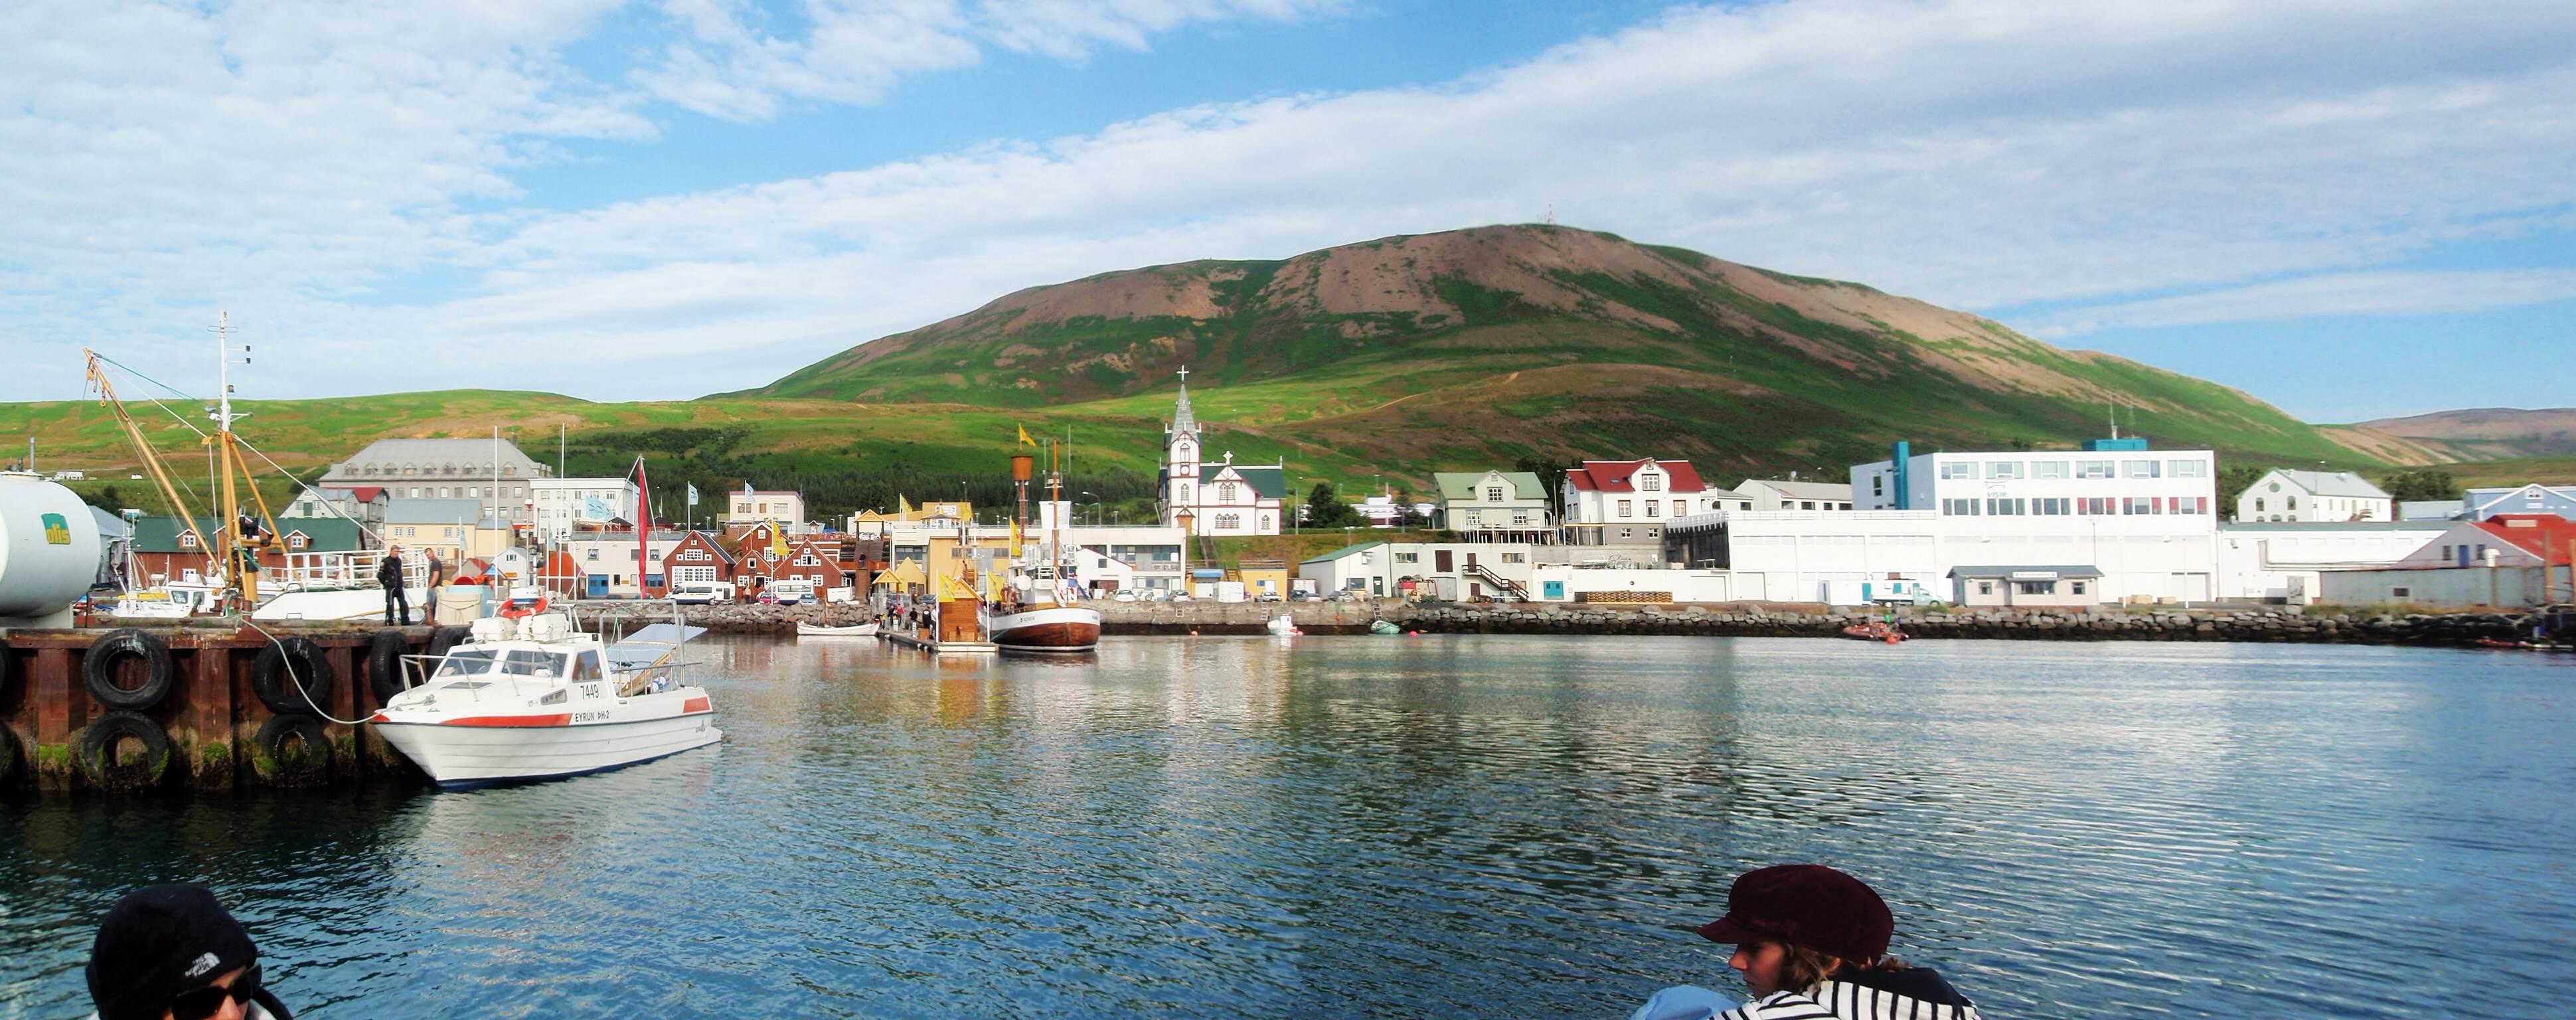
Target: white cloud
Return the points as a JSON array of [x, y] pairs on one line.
[[1977, 153], [2390, 292], [734, 63]]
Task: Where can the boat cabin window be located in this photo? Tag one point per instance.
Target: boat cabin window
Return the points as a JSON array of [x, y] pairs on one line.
[[522, 662], [585, 667], [466, 663]]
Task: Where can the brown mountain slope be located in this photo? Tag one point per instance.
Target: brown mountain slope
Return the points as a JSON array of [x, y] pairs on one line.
[[2489, 432], [1617, 344]]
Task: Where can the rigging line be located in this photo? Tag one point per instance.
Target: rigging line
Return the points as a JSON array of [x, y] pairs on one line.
[[174, 391], [309, 489]]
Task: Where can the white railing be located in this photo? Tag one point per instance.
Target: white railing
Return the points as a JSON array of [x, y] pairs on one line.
[[336, 571]]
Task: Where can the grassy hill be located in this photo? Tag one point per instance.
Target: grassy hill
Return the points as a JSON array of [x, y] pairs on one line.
[[1366, 363], [1489, 345]]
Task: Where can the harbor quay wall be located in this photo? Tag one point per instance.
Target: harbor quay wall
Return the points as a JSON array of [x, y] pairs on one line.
[[1817, 620], [183, 709]]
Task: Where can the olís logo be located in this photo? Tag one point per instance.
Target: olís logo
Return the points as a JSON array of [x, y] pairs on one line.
[[57, 530]]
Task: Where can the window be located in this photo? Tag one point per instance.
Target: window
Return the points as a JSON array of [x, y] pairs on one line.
[[1878, 485], [1185, 492], [1654, 508], [2098, 506], [1958, 508], [1404, 557], [1513, 557], [2141, 506], [2290, 503], [1627, 532], [2189, 469], [1624, 509], [2002, 506], [2078, 586], [1493, 494], [187, 540], [2048, 469], [296, 541], [1958, 469], [1225, 492], [2035, 587], [2003, 469], [2191, 504], [1520, 518], [593, 555], [1985, 587], [2054, 506], [1680, 507], [1807, 505], [1226, 521], [1651, 483], [2400, 592], [2093, 469], [2146, 468]]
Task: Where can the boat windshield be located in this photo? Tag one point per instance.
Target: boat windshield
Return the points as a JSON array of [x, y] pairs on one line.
[[466, 663], [530, 663]]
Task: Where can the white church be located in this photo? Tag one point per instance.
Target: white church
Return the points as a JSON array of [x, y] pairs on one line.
[[1218, 497]]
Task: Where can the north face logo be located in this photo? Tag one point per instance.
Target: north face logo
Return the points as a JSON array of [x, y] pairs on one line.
[[202, 964]]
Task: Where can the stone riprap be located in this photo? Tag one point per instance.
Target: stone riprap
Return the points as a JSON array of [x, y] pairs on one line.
[[1740, 620]]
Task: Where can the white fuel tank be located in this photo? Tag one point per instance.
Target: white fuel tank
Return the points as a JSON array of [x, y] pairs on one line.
[[49, 546]]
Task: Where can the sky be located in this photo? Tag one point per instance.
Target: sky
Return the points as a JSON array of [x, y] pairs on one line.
[[2351, 209]]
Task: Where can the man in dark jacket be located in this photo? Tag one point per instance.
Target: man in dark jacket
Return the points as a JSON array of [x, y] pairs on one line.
[[390, 574]]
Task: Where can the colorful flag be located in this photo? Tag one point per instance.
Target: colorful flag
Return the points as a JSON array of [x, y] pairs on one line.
[[1024, 437]]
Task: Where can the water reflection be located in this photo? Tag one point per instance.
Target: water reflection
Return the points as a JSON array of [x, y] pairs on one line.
[[1398, 827]]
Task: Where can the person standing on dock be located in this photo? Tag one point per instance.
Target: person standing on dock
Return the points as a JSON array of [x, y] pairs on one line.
[[171, 951], [390, 575]]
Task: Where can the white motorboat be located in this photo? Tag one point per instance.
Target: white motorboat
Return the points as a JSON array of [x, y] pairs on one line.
[[1284, 625], [806, 630], [530, 697]]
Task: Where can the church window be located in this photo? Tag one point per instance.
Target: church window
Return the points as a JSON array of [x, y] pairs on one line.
[[1225, 492], [1228, 522], [1185, 492]]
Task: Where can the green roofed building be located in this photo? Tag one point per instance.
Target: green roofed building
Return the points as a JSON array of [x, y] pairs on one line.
[[1494, 501]]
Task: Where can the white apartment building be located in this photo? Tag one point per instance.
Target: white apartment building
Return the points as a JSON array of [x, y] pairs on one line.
[[2314, 496], [567, 506], [752, 506]]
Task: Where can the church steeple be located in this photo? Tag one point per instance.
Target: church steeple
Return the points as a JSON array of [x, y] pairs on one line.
[[1182, 421]]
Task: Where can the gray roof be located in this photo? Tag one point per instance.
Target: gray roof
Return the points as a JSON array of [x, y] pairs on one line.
[[2431, 509], [2000, 572], [1802, 490], [470, 458], [2339, 484], [433, 511]]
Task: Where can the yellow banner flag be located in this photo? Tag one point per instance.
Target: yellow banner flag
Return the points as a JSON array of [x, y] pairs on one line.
[[902, 508], [1024, 436], [777, 541], [1015, 538]]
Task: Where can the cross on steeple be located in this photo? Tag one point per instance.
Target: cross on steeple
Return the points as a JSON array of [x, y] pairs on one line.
[[1182, 421], [1185, 376]]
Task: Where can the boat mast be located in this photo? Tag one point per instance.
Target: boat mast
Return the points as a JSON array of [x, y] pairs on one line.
[[644, 532]]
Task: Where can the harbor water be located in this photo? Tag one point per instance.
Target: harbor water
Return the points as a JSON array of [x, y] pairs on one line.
[[1413, 827]]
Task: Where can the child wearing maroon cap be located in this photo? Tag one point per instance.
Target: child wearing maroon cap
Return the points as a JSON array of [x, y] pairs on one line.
[[1811, 943]]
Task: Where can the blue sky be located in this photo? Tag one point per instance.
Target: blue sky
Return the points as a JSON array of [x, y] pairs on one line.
[[2348, 209]]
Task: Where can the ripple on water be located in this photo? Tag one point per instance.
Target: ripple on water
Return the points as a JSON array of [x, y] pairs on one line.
[[1357, 827]]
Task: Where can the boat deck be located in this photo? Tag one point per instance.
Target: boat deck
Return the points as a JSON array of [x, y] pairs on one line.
[[940, 647]]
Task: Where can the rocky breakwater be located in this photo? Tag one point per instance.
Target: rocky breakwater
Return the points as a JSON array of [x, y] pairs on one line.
[[2253, 624], [728, 618]]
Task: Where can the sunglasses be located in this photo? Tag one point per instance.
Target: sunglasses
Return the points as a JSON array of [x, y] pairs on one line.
[[204, 1002]]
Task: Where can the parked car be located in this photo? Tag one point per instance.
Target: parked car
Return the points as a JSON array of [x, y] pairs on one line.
[[1122, 595], [1265, 597]]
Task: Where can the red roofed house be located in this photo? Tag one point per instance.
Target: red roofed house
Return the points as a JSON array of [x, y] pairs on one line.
[[699, 558], [1629, 500]]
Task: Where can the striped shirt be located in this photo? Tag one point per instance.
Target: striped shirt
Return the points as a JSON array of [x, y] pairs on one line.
[[1843, 1000]]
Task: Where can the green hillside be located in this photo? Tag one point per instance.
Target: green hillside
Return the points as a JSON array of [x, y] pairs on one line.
[[1363, 364], [1502, 343]]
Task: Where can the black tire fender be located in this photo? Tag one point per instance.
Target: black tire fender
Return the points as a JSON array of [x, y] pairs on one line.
[[385, 664], [98, 669], [104, 731], [308, 760], [312, 669], [445, 638]]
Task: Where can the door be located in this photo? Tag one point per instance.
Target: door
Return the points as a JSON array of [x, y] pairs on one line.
[[1440, 561]]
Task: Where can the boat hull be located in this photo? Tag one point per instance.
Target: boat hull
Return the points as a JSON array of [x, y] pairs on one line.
[[1052, 629], [860, 630], [532, 748]]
